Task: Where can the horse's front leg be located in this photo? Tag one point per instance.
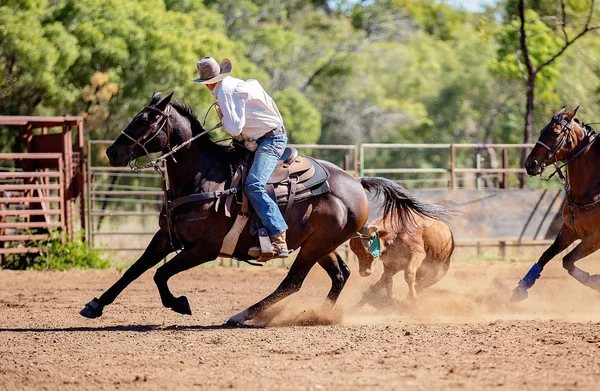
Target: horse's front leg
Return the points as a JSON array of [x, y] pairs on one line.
[[410, 273], [185, 260], [374, 295], [563, 240], [158, 248]]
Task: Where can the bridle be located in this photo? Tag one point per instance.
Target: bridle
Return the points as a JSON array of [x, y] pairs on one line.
[[153, 130], [565, 134]]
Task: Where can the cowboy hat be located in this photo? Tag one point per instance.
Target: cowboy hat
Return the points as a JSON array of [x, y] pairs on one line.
[[211, 72]]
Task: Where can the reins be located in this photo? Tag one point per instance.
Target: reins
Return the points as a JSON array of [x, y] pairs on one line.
[[164, 157]]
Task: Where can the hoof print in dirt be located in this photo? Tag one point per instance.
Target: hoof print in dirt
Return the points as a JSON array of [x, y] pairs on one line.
[[182, 306], [92, 310]]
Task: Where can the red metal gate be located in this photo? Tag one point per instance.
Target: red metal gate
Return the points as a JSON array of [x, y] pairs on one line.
[[31, 202], [38, 189]]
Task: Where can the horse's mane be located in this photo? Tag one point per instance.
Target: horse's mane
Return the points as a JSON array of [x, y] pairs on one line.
[[187, 111], [184, 109], [587, 127]]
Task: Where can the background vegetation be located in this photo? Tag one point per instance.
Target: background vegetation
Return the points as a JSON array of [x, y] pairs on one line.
[[56, 255], [342, 71]]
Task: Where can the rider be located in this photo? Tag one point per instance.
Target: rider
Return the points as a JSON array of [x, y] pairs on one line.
[[248, 113]]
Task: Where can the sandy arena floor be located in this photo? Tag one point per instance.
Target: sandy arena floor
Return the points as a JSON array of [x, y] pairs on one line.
[[463, 334]]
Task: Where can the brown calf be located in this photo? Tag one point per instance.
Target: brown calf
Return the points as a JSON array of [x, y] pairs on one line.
[[423, 252]]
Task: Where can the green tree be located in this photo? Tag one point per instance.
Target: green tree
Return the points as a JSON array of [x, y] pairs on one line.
[[301, 119]]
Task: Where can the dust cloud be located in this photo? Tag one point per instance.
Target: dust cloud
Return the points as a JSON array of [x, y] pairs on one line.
[[470, 292]]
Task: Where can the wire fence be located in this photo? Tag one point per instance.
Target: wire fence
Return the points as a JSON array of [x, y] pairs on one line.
[[122, 206]]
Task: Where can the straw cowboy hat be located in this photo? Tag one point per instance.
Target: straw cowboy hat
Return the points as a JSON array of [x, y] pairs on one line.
[[211, 72]]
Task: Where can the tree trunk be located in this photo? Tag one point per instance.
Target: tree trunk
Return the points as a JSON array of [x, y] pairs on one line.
[[528, 130], [527, 135]]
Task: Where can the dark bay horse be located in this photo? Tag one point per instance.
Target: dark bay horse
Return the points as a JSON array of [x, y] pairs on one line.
[[318, 225], [566, 139]]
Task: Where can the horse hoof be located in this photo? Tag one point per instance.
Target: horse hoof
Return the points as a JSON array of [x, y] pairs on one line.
[[92, 310], [234, 323], [519, 294], [182, 306], [241, 325], [238, 320]]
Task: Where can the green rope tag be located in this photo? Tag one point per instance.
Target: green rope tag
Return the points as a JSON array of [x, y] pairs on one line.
[[374, 246]]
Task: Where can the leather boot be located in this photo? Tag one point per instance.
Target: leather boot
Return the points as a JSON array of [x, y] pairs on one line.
[[279, 245]]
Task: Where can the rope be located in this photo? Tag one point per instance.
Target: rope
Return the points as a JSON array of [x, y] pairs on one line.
[[164, 157]]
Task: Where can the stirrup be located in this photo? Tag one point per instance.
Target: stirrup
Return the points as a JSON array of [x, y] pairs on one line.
[[278, 252]]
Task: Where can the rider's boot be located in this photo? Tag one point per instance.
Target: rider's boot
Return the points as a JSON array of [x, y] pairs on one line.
[[279, 245]]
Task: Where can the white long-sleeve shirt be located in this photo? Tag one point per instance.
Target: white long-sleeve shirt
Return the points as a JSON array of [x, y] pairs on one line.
[[248, 111]]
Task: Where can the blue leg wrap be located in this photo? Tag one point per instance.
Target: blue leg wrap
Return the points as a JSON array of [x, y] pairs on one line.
[[532, 275]]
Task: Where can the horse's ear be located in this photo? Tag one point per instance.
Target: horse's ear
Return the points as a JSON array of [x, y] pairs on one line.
[[560, 112], [165, 101], [572, 114]]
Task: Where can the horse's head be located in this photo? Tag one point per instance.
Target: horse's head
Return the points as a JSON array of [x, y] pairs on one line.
[[557, 141], [149, 131]]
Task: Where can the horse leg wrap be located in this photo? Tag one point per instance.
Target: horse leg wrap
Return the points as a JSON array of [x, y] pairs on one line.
[[580, 275], [520, 292], [592, 281], [533, 274]]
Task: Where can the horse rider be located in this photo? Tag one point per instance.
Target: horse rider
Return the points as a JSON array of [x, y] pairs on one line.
[[250, 115]]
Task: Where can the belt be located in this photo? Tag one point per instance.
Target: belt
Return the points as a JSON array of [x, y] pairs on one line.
[[272, 132]]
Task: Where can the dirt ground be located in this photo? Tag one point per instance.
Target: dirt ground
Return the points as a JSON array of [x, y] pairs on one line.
[[462, 334]]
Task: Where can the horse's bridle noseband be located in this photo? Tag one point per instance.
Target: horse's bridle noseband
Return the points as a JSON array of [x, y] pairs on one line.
[[153, 130]]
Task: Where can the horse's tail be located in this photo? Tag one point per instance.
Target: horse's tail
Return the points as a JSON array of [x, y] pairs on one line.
[[398, 205]]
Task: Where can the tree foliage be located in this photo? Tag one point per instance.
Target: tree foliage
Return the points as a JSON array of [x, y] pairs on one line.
[[341, 72]]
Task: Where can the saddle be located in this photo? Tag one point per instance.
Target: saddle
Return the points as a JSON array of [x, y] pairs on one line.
[[295, 179]]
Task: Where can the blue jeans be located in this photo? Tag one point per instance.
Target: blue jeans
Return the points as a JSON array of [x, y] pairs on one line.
[[265, 159]]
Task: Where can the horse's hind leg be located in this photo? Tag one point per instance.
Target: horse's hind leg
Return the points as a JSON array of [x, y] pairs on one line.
[[339, 273], [183, 261], [563, 240], [290, 284], [583, 249], [158, 248]]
